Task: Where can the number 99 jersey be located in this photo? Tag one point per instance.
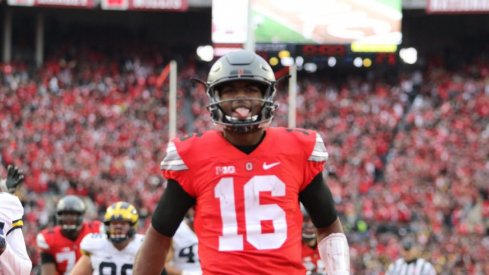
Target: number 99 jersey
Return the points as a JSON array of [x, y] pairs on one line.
[[247, 205]]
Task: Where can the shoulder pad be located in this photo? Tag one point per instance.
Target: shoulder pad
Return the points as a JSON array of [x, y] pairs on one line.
[[172, 160], [319, 152], [92, 241], [41, 241]]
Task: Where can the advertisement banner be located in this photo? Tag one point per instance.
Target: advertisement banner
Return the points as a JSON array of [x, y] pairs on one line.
[[457, 6], [170, 5], [53, 3], [114, 4]]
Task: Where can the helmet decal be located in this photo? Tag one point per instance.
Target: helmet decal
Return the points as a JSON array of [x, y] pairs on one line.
[[123, 212]]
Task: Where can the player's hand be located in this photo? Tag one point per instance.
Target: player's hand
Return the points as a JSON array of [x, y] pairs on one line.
[[3, 242], [15, 177]]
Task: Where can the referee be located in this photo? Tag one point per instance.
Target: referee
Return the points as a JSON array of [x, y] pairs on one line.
[[410, 264]]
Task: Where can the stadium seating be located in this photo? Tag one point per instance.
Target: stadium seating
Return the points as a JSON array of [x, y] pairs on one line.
[[406, 157]]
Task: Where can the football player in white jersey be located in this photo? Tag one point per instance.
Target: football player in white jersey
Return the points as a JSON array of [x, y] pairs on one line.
[[13, 253], [183, 258], [111, 252]]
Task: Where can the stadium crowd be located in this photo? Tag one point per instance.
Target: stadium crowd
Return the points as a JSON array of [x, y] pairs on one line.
[[409, 156]]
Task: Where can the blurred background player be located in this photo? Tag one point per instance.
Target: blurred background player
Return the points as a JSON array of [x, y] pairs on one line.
[[111, 252], [13, 253], [60, 246], [410, 263], [310, 254], [183, 258]]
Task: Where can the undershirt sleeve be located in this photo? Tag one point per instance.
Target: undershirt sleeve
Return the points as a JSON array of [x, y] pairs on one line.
[[47, 258], [319, 203], [172, 207]]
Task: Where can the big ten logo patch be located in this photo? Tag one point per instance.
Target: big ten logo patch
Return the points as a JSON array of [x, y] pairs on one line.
[[225, 170]]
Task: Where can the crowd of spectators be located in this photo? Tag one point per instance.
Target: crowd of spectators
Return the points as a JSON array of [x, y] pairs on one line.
[[407, 157]]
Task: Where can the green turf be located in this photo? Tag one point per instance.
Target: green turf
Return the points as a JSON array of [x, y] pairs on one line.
[[271, 31]]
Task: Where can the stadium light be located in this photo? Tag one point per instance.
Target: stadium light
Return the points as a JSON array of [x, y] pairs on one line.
[[273, 61], [283, 54], [205, 53], [409, 55], [310, 67], [299, 61], [287, 61], [367, 62], [332, 61], [358, 62]]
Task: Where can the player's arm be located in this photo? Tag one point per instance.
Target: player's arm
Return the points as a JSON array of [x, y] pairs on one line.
[[332, 243], [83, 266], [47, 268], [48, 264], [14, 258], [171, 270], [166, 218]]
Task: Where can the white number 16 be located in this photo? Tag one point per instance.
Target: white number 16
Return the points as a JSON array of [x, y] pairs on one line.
[[255, 212]]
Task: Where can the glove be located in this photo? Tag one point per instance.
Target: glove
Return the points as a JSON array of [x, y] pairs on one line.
[[3, 242], [15, 177]]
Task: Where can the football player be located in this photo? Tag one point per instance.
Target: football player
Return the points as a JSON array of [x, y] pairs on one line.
[[114, 251], [246, 180], [183, 258], [310, 254], [60, 246], [13, 253]]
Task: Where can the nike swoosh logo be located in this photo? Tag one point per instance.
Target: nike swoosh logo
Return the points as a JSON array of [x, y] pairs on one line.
[[271, 165]]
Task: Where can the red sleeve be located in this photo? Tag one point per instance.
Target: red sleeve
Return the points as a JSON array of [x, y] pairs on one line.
[[315, 154], [174, 167]]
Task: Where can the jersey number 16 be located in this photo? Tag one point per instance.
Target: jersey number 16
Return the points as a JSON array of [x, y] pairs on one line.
[[255, 212]]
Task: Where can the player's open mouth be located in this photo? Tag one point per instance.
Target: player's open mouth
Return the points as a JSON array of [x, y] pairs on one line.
[[242, 114]]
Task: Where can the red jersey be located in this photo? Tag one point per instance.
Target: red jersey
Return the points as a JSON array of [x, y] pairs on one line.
[[247, 205], [64, 251], [312, 260]]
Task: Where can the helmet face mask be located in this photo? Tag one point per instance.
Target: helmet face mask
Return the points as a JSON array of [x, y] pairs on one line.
[[244, 67], [121, 221], [119, 231], [69, 215]]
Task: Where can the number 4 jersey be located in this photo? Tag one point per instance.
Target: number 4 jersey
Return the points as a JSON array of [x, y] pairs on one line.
[[247, 219], [185, 245]]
